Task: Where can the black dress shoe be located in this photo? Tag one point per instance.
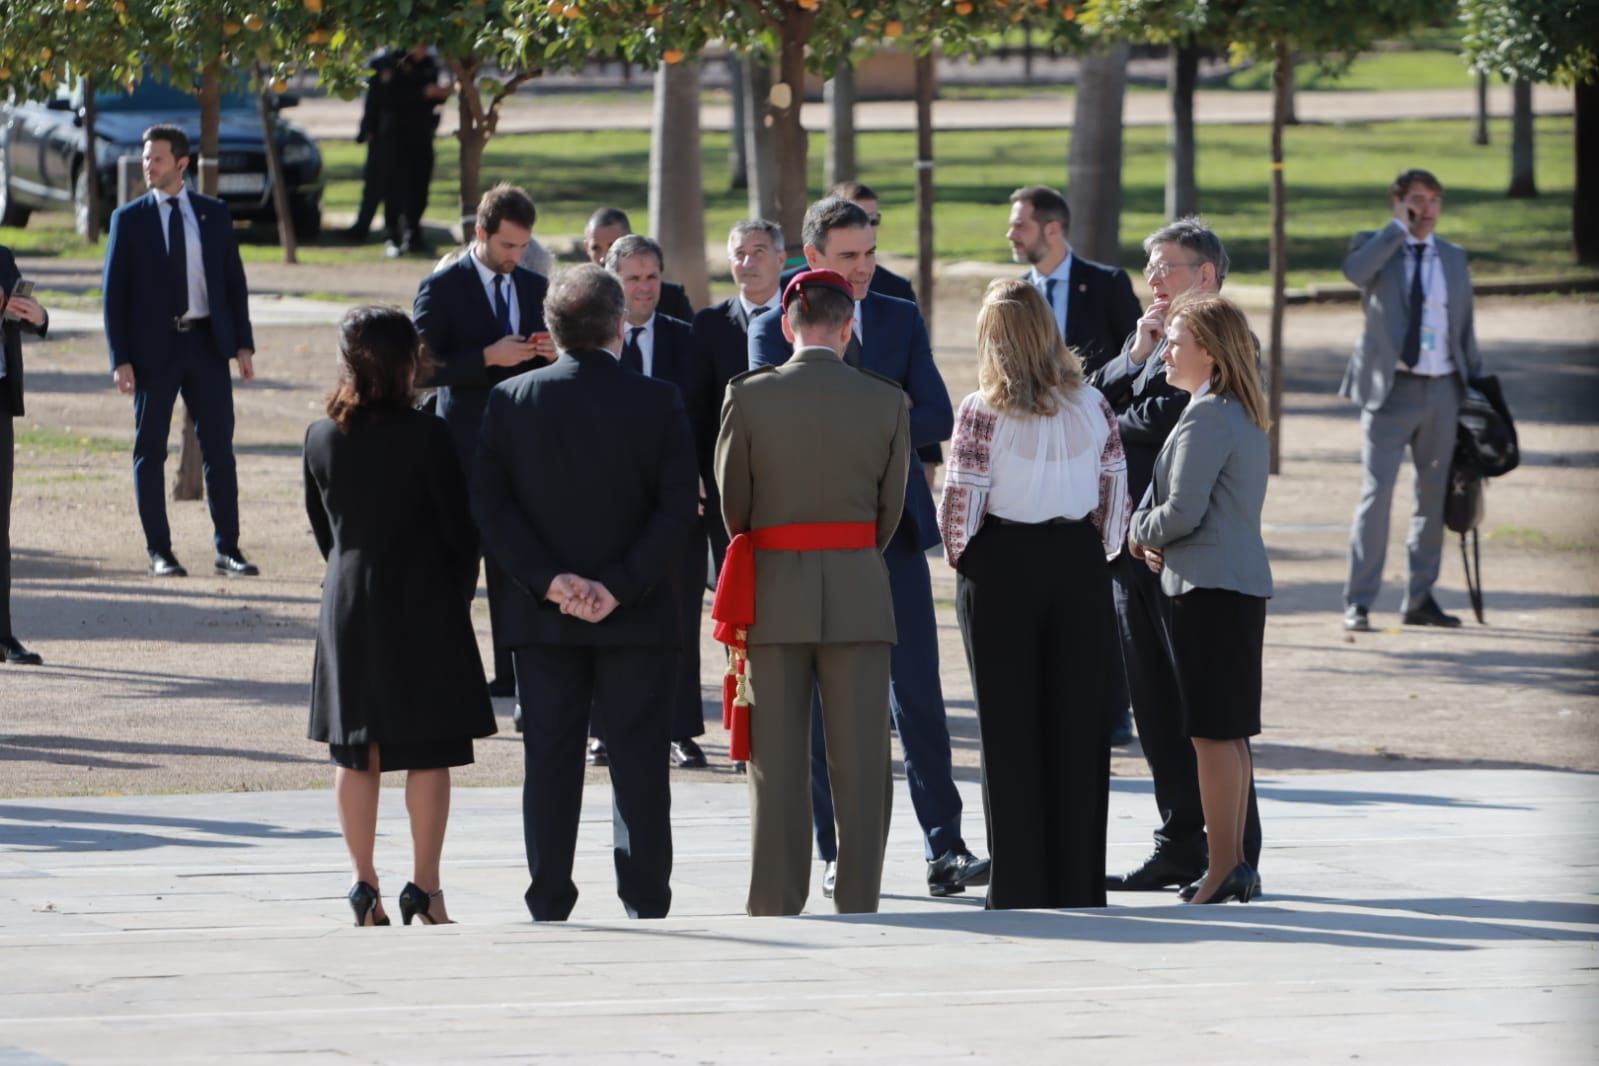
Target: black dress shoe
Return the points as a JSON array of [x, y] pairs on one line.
[[829, 879], [686, 755], [597, 755], [1159, 871], [233, 564], [501, 687], [12, 651], [953, 871], [165, 564], [1430, 614], [1357, 619]]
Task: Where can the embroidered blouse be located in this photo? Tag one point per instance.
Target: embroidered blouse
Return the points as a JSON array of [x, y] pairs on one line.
[[1031, 468]]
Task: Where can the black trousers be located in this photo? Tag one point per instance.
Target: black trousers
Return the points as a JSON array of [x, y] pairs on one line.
[[409, 167], [373, 181], [7, 467], [1034, 607], [624, 690], [1142, 613], [688, 704]]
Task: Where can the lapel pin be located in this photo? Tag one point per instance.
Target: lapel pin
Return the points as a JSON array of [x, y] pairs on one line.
[[1081, 287]]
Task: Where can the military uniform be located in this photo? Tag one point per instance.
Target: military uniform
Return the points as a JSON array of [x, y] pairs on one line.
[[815, 445]]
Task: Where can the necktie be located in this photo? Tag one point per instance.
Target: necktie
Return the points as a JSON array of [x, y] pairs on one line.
[[1049, 298], [502, 306], [1410, 353], [178, 257], [757, 312], [632, 355]]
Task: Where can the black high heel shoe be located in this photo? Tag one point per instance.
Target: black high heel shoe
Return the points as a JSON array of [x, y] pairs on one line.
[[364, 902], [1241, 883], [414, 903]]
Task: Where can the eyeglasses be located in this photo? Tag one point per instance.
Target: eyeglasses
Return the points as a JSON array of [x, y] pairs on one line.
[[1163, 270], [875, 218]]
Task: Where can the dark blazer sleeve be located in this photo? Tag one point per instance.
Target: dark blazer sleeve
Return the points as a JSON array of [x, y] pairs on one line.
[[932, 418], [675, 303], [768, 346], [1122, 309], [238, 288], [506, 533], [1149, 421], [321, 525], [658, 551], [116, 281], [702, 377], [1115, 379], [437, 312]]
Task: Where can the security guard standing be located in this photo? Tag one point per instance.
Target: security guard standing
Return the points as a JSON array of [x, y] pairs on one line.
[[408, 118], [811, 460]]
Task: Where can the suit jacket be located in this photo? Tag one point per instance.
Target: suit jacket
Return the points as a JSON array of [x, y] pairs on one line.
[[1376, 262], [1147, 408], [1101, 310], [137, 283], [895, 347], [883, 281], [815, 441], [1210, 486], [586, 468], [675, 303], [11, 335], [456, 319]]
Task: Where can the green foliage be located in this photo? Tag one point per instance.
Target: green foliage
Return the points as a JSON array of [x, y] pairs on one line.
[[1539, 40], [1336, 29]]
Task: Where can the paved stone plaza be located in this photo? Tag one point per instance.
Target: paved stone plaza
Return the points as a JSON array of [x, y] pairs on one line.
[[1443, 913]]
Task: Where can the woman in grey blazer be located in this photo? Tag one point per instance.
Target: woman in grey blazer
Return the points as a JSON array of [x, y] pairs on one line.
[[1199, 528]]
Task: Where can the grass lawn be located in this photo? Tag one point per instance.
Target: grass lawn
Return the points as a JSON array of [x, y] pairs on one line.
[[1337, 176]]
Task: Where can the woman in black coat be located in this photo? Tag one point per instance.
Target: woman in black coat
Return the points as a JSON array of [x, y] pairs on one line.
[[398, 683]]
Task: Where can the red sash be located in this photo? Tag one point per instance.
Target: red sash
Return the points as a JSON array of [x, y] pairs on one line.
[[733, 610]]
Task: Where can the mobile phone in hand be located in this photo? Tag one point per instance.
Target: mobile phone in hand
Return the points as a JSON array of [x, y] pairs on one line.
[[534, 338], [24, 287]]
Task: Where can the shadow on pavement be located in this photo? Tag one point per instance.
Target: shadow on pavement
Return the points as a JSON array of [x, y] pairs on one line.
[[83, 830]]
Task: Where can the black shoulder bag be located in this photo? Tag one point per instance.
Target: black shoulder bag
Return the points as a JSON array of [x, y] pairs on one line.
[[1485, 446]]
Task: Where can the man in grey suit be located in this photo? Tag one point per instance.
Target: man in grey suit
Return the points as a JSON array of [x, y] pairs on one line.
[[1409, 373]]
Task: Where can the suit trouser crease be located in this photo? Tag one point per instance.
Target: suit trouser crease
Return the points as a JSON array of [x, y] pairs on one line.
[[1420, 413], [200, 374], [854, 679], [623, 689], [916, 702]]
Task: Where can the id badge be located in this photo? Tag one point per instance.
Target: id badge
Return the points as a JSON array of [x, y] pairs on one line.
[[1429, 338]]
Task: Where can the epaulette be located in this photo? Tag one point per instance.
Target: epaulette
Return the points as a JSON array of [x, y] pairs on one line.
[[883, 378], [750, 373]]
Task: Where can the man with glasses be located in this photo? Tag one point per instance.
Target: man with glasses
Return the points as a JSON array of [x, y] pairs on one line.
[[1093, 303], [1184, 256]]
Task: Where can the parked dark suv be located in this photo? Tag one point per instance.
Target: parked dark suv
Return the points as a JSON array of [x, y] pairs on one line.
[[42, 152]]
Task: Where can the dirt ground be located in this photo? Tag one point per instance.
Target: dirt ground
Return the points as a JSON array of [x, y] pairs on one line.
[[201, 684]]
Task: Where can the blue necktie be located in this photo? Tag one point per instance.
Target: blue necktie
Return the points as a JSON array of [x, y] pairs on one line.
[[1049, 298], [502, 306], [178, 256], [1410, 353]]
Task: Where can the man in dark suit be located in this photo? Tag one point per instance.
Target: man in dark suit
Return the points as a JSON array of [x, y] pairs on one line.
[[890, 339], [483, 320], [584, 490], [408, 119], [658, 346], [176, 311], [1184, 256], [605, 227], [1093, 303], [721, 348], [373, 176], [16, 314]]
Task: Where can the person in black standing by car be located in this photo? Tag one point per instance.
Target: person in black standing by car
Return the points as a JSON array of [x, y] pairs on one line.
[[407, 122], [372, 173], [19, 312]]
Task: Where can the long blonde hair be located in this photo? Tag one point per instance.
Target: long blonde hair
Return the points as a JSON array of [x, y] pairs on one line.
[[1218, 325], [1021, 358]]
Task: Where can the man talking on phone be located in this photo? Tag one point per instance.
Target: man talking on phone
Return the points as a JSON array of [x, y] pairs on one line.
[[18, 311], [1409, 373], [483, 320]]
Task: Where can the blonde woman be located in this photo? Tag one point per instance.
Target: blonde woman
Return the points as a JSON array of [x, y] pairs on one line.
[[1035, 502], [1199, 528]]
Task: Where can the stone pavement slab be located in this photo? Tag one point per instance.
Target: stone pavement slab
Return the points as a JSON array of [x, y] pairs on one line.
[[1441, 913]]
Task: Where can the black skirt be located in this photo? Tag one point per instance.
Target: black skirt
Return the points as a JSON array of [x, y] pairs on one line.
[[1216, 637], [428, 755]]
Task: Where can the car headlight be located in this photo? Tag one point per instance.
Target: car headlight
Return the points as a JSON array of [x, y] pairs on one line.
[[297, 152]]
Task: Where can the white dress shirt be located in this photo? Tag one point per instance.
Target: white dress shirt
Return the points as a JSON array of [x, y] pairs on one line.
[[487, 276], [860, 334], [1434, 361], [199, 303], [1062, 276]]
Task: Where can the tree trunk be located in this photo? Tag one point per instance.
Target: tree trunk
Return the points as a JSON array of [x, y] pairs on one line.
[[1291, 116], [1480, 131], [677, 200], [1585, 195], [472, 134], [1279, 247], [280, 190], [925, 82], [1182, 192], [737, 157], [760, 144], [793, 192], [840, 92], [1522, 183], [190, 481], [1094, 166], [89, 228]]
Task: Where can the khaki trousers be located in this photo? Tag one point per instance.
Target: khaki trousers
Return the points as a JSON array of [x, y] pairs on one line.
[[854, 680]]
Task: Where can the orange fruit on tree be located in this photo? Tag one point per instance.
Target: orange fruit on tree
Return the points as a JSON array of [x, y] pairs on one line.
[[673, 55], [312, 6], [893, 29], [252, 22]]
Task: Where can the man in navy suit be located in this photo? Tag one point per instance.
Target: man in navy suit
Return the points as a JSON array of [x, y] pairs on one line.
[[891, 340], [483, 320], [721, 348], [584, 490], [1094, 304], [658, 346], [605, 227], [176, 311], [18, 312]]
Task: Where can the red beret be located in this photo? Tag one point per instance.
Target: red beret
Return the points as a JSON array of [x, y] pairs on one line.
[[827, 279]]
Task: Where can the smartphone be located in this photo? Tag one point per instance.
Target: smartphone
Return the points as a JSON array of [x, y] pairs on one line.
[[534, 338], [23, 287], [1411, 212]]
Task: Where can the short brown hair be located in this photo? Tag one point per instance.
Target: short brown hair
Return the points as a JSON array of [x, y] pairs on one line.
[[853, 190], [380, 358], [176, 139], [1047, 204], [1021, 359], [1220, 327], [505, 203], [584, 308]]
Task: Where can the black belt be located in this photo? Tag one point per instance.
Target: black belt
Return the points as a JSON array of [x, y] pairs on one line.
[[998, 521], [185, 325]]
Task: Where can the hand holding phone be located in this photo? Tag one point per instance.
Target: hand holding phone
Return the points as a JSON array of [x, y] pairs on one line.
[[22, 290], [543, 344]]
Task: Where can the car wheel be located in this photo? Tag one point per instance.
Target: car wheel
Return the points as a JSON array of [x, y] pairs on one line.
[[80, 208], [307, 220], [11, 213]]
